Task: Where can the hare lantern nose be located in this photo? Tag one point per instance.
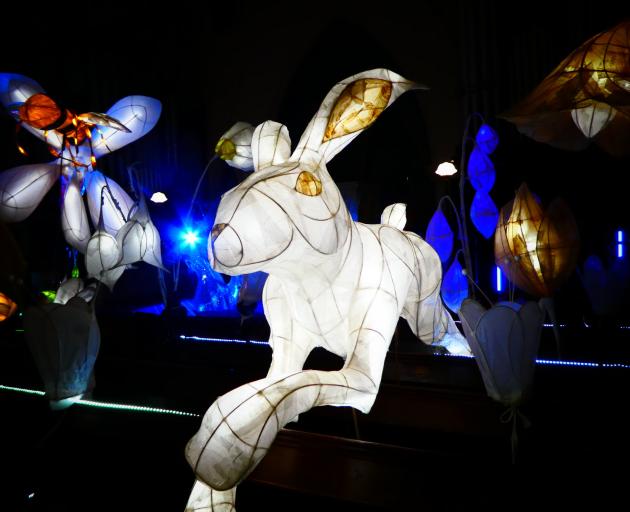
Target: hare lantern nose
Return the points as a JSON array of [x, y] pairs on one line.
[[226, 246]]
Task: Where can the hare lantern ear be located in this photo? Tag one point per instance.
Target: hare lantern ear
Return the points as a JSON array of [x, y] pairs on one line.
[[271, 145], [349, 108]]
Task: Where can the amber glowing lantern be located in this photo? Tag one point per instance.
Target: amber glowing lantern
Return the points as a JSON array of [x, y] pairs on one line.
[[536, 249], [587, 97], [7, 307]]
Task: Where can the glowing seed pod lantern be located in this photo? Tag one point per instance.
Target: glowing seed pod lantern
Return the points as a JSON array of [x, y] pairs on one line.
[[586, 98], [7, 307], [440, 236], [537, 250]]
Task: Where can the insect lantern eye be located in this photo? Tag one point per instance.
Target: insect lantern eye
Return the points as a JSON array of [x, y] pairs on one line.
[[308, 184]]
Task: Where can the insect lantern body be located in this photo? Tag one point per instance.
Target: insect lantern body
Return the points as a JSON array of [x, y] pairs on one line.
[[41, 112]]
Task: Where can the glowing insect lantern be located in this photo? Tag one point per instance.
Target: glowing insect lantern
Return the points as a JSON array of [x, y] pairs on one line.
[[7, 307], [587, 97], [536, 249], [64, 340], [76, 141], [332, 283]]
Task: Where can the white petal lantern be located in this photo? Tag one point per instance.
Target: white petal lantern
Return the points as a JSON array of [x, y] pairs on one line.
[[23, 188], [139, 240], [102, 257], [64, 340], [74, 219], [234, 146]]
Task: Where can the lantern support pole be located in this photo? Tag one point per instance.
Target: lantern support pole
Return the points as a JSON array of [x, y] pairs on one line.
[[187, 221]]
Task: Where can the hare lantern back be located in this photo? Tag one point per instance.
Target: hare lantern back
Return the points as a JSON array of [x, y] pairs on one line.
[[332, 283]]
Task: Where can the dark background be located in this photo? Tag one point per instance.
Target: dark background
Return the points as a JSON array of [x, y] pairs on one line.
[[212, 65]]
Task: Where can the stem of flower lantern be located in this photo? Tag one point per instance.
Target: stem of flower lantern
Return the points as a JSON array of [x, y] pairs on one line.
[[188, 214], [192, 202], [457, 218]]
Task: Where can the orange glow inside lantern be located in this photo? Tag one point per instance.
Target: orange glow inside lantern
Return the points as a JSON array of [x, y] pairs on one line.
[[587, 97], [536, 249], [7, 307]]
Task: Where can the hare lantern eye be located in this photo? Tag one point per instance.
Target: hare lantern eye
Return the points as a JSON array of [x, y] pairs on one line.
[[308, 184]]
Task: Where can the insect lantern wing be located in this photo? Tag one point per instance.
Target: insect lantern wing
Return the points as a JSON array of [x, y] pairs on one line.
[[94, 118], [138, 114]]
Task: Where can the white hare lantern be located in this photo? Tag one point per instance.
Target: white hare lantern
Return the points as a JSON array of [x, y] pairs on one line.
[[333, 283]]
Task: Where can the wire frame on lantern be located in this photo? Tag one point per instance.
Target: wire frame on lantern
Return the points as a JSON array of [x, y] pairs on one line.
[[537, 250], [587, 97]]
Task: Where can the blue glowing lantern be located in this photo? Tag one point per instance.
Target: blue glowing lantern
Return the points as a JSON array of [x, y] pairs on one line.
[[481, 171], [484, 214], [440, 235], [487, 139], [454, 286]]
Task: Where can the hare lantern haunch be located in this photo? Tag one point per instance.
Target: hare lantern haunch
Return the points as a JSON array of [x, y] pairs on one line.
[[333, 283]]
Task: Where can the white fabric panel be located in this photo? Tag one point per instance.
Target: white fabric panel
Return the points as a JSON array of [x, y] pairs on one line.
[[271, 144], [74, 220], [505, 342], [116, 202], [138, 114], [22, 189], [101, 258]]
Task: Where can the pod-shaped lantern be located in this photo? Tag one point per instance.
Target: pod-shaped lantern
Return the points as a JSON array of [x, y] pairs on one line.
[[536, 249], [587, 97]]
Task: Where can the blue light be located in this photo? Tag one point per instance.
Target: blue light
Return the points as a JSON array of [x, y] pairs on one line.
[[554, 362], [190, 237], [221, 340], [454, 286], [619, 250], [440, 236], [484, 214], [499, 279], [155, 309], [620, 236]]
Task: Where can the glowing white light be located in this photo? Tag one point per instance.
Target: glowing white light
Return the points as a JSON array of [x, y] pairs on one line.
[[620, 236], [31, 495], [191, 238], [499, 279], [159, 197], [446, 169]]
